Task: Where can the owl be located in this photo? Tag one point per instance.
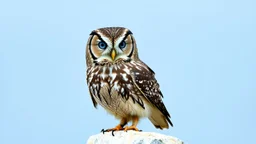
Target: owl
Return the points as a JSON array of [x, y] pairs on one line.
[[120, 82]]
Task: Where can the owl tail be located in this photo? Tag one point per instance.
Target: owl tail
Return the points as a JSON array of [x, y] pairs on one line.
[[158, 119]]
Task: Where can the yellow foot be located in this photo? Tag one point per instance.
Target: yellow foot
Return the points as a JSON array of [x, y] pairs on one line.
[[131, 128], [117, 128]]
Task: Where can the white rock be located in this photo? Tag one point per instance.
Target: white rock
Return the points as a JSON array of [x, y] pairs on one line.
[[132, 137]]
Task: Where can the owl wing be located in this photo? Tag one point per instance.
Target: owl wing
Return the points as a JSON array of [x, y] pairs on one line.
[[93, 100], [89, 79], [144, 80]]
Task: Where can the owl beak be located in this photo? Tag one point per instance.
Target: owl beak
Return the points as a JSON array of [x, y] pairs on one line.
[[113, 54]]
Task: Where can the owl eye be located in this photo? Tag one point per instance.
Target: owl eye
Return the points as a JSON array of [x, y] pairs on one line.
[[102, 45], [122, 45]]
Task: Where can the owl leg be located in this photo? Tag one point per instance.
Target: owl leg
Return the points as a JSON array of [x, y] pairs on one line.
[[135, 120], [119, 127]]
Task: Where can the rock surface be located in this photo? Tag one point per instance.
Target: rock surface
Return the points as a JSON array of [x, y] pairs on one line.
[[132, 137]]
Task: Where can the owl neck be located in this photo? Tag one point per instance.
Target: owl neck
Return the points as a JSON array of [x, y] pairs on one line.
[[108, 63]]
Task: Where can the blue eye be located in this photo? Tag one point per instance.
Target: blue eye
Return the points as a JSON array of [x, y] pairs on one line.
[[122, 45], [102, 45]]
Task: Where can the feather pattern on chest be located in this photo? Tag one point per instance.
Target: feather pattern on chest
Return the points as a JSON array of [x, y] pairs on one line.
[[119, 77]]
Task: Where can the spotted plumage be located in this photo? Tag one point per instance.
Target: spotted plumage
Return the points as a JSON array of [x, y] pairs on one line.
[[120, 82]]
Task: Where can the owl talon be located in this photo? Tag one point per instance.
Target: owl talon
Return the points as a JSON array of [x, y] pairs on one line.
[[117, 128], [103, 131]]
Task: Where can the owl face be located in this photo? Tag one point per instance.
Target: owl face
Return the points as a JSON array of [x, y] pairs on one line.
[[111, 44]]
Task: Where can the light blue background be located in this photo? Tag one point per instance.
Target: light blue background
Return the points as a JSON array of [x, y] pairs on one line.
[[203, 53]]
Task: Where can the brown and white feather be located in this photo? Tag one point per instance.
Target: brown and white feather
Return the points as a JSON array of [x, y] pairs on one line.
[[126, 86]]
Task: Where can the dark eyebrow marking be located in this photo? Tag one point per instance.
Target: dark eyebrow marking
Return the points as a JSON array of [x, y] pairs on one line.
[[132, 47], [95, 33], [93, 57], [127, 34]]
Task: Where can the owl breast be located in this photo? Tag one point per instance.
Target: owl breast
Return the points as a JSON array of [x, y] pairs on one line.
[[112, 86]]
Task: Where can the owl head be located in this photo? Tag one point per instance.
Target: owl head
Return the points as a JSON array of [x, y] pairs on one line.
[[110, 45]]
